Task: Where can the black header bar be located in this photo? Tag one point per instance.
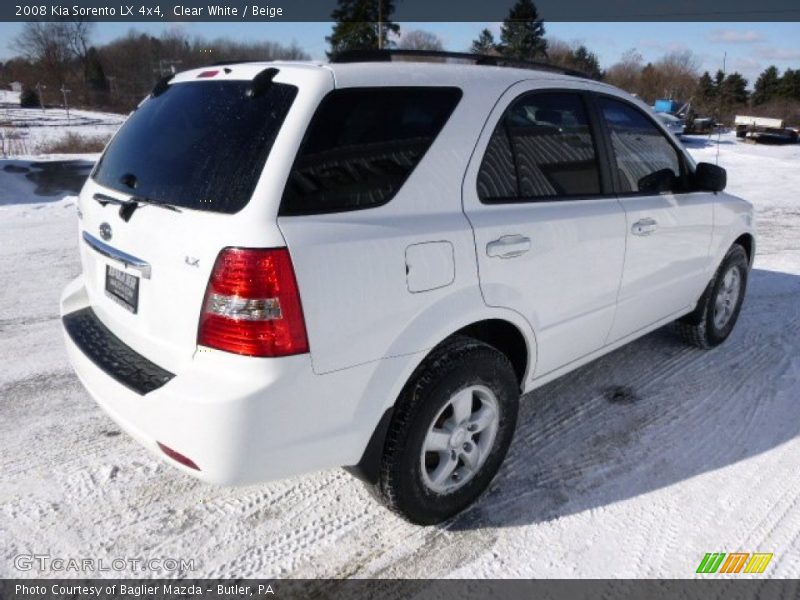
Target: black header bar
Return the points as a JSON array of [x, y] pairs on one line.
[[308, 589], [405, 10]]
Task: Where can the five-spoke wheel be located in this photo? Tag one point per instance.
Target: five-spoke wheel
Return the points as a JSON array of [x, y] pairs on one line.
[[460, 438]]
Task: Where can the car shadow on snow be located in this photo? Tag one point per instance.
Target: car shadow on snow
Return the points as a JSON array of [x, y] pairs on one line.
[[696, 142], [652, 414], [49, 179]]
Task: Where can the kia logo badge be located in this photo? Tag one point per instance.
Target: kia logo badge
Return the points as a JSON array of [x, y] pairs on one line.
[[105, 231]]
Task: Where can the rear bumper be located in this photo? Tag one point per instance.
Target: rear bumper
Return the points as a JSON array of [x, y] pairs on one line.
[[108, 352], [240, 420]]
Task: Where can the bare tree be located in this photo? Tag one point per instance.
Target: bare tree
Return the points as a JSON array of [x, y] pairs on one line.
[[53, 49], [136, 61], [559, 52], [679, 72], [421, 40], [47, 44], [79, 34], [627, 73], [225, 49], [682, 61]]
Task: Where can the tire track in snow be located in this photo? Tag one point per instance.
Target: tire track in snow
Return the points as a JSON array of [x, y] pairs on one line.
[[577, 457], [658, 387]]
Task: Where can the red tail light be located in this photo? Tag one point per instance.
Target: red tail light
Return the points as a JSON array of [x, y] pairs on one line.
[[178, 457], [252, 305]]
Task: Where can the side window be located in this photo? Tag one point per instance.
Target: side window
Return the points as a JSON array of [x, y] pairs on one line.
[[542, 148], [497, 178], [646, 161], [361, 146]]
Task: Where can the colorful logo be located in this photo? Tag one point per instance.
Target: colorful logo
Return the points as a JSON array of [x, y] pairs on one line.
[[736, 562]]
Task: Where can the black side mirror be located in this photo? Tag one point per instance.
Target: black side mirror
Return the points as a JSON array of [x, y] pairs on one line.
[[709, 178], [663, 180]]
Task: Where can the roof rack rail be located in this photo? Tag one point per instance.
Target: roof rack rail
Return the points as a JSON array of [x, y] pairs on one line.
[[384, 55], [236, 61]]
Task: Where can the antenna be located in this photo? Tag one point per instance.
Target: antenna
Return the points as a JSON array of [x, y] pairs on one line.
[[380, 24], [719, 109]]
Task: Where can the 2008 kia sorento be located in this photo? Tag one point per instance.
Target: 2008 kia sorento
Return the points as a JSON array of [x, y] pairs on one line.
[[295, 266]]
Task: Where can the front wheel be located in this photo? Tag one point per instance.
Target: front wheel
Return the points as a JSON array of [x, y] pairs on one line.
[[718, 310], [450, 432]]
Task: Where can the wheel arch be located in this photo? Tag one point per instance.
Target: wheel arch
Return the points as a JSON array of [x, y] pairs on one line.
[[505, 337], [748, 242], [504, 332]]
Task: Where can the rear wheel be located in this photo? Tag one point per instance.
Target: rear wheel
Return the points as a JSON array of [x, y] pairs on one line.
[[718, 310], [450, 432]]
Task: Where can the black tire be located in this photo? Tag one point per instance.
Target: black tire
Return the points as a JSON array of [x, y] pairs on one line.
[[698, 327], [457, 364]]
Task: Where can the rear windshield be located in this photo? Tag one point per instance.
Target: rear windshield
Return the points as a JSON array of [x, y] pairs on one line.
[[199, 145], [361, 146]]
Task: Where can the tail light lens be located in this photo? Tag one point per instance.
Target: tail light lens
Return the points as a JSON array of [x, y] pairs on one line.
[[252, 305], [178, 457]]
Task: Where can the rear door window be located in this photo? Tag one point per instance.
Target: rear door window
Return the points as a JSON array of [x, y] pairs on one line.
[[543, 148], [361, 146], [199, 145]]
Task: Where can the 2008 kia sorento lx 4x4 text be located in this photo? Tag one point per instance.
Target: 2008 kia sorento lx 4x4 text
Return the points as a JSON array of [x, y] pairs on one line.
[[292, 266]]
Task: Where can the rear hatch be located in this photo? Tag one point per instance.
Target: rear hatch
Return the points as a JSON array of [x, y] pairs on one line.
[[200, 165]]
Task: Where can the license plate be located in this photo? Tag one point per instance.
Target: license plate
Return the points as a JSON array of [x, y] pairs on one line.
[[122, 288]]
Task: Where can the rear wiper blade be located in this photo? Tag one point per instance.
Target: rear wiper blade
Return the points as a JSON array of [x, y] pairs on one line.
[[127, 207], [154, 202], [104, 199]]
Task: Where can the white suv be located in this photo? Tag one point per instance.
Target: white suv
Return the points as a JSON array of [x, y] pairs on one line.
[[293, 266]]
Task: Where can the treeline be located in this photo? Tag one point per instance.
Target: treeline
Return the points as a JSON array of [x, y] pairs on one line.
[[117, 75], [522, 36]]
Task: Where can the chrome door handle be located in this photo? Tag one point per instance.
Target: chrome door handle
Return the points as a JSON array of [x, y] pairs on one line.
[[508, 246], [644, 226]]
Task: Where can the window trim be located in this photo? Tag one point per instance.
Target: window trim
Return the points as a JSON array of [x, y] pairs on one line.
[[612, 158], [284, 212], [607, 189]]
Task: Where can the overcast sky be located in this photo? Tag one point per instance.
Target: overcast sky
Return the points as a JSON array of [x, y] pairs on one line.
[[750, 47]]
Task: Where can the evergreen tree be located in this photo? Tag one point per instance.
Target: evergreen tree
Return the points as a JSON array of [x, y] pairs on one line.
[[95, 76], [485, 44], [29, 98], [522, 35], [586, 61], [706, 89], [734, 89], [357, 25], [767, 86], [790, 84]]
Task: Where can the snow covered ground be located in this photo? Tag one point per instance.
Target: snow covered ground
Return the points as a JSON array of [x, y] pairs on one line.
[[634, 466], [24, 130]]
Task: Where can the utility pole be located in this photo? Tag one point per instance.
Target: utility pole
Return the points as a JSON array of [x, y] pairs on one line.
[[64, 92], [39, 88], [719, 110], [380, 24], [166, 65]]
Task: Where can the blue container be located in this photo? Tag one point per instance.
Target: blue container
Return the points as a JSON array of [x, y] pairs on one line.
[[667, 106]]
